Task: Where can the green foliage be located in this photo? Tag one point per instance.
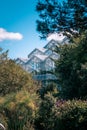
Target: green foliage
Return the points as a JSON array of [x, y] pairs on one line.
[[13, 78], [62, 115], [58, 16], [71, 115], [19, 108], [44, 120], [19, 100], [71, 68], [50, 88]]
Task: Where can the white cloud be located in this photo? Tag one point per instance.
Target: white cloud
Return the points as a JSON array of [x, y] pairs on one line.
[[56, 36], [4, 35]]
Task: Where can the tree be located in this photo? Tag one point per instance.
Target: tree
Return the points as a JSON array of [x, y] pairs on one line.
[[19, 99], [66, 16], [13, 78], [71, 68]]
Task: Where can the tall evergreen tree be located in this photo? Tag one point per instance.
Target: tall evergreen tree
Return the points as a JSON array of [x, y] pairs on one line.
[[71, 68]]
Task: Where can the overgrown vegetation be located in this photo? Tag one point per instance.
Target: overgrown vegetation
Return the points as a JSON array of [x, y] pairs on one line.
[[57, 114], [67, 110], [19, 100], [26, 106]]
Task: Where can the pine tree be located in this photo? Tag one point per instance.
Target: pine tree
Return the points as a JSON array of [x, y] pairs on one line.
[[66, 16]]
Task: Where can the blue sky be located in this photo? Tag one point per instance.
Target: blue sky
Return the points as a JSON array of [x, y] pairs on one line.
[[18, 27]]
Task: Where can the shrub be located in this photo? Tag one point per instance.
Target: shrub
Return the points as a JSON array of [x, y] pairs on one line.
[[44, 120], [70, 115], [20, 109], [62, 115]]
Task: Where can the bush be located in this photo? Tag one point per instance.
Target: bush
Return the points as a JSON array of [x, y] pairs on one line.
[[44, 120], [52, 88], [20, 109], [70, 115], [13, 78], [63, 115]]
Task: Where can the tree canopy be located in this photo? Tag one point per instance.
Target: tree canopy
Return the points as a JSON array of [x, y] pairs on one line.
[[66, 16]]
